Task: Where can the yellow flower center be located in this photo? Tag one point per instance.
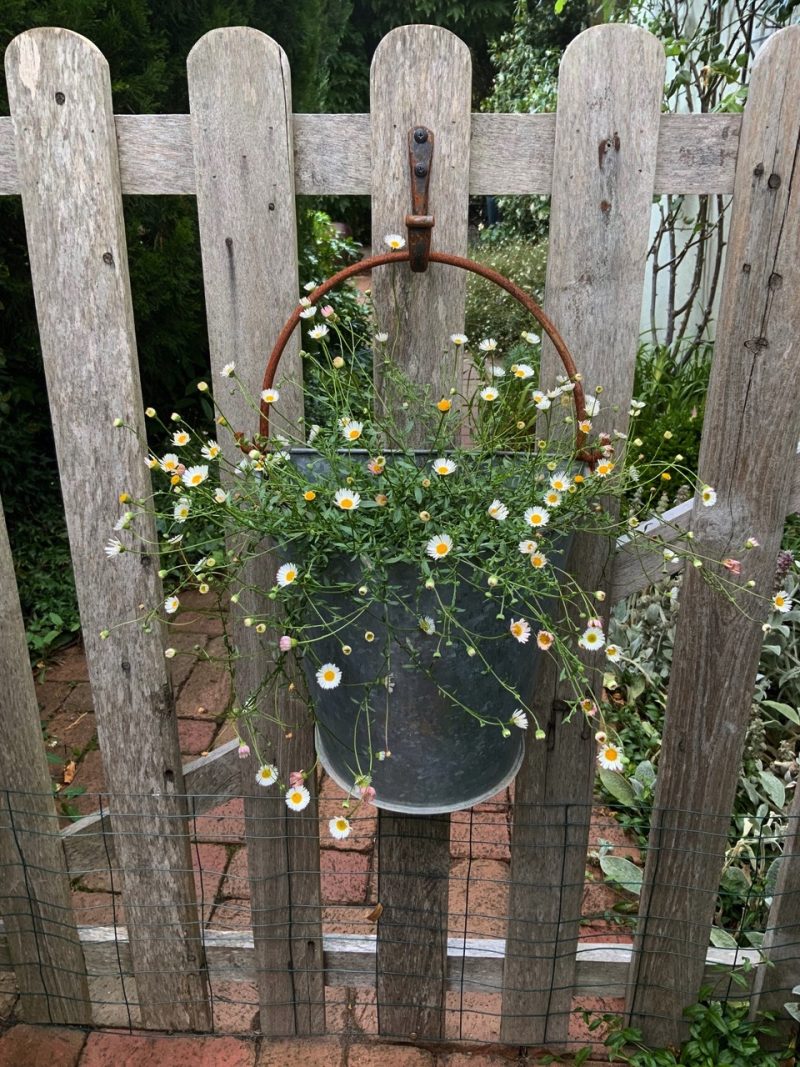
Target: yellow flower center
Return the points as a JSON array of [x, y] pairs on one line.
[[444, 405], [441, 549], [354, 434], [296, 798], [329, 675], [309, 495], [779, 601], [290, 576], [611, 754], [346, 503], [341, 824]]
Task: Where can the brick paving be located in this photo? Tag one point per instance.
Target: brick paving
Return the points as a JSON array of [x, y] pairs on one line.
[[480, 872]]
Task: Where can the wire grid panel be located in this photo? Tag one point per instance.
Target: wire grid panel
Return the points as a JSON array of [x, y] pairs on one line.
[[478, 888]]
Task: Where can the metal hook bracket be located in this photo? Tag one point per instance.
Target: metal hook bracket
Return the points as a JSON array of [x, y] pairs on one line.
[[419, 223]]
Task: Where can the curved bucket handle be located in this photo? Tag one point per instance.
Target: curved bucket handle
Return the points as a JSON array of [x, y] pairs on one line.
[[588, 456]]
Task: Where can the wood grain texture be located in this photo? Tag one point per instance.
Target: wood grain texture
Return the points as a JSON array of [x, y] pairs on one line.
[[748, 453], [510, 154], [774, 984], [43, 940], [240, 98], [421, 76], [605, 152], [60, 96]]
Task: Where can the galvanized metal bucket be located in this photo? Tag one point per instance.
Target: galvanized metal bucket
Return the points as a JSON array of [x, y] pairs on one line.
[[405, 694]]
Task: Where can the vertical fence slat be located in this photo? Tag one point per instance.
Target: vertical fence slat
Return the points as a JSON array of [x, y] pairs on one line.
[[60, 95], [34, 892], [609, 98], [240, 93], [421, 75], [747, 453], [774, 983]]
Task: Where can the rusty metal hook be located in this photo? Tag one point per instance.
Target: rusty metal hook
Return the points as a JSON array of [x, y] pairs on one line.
[[419, 223]]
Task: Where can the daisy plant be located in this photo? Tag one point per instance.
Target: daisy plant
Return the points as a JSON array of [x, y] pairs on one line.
[[492, 515]]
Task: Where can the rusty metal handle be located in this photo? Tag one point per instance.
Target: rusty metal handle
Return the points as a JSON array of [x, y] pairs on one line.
[[364, 265]]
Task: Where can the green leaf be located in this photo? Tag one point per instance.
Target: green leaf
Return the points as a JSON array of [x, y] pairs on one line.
[[645, 773], [774, 788], [617, 785], [794, 1010], [627, 874], [786, 710], [721, 938], [559, 6]]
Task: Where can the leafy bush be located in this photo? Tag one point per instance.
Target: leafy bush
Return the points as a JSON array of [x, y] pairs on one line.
[[524, 262]]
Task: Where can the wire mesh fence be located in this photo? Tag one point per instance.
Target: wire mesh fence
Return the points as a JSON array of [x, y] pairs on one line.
[[478, 991]]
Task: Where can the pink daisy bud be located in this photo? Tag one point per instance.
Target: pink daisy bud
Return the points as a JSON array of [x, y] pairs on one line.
[[327, 311], [597, 623], [367, 793], [732, 565], [296, 778], [375, 467], [180, 469], [243, 750], [605, 438], [285, 643]]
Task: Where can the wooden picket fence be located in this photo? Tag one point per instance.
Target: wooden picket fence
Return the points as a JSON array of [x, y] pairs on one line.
[[243, 154]]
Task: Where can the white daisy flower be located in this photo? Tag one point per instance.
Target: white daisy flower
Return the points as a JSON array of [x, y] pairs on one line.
[[310, 287], [318, 332], [313, 433], [346, 500], [297, 798], [531, 338], [181, 510], [521, 629], [488, 344], [286, 574], [210, 450], [171, 605], [613, 653], [782, 601], [708, 496], [560, 482], [270, 396], [394, 241], [227, 370], [328, 676], [552, 498], [636, 407], [220, 496], [592, 638], [489, 393], [308, 313], [526, 547], [444, 466], [538, 560], [522, 370], [305, 302], [439, 546], [497, 370], [427, 625], [610, 757], [498, 510], [604, 468], [124, 521], [591, 406], [114, 547], [339, 827], [180, 438], [543, 403], [458, 339], [381, 338], [352, 430], [520, 719], [267, 774], [176, 540], [544, 640], [194, 476], [537, 516], [169, 463]]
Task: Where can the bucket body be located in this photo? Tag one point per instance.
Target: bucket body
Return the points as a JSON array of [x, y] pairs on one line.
[[402, 690]]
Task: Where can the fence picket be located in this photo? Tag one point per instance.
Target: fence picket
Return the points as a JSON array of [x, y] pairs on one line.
[[240, 93], [34, 891], [421, 75], [747, 453], [605, 154], [60, 95]]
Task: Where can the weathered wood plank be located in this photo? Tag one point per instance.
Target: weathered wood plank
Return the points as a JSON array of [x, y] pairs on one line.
[[34, 892], [609, 96], [350, 960], [510, 154], [774, 984], [60, 96], [421, 76], [240, 95], [748, 454]]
